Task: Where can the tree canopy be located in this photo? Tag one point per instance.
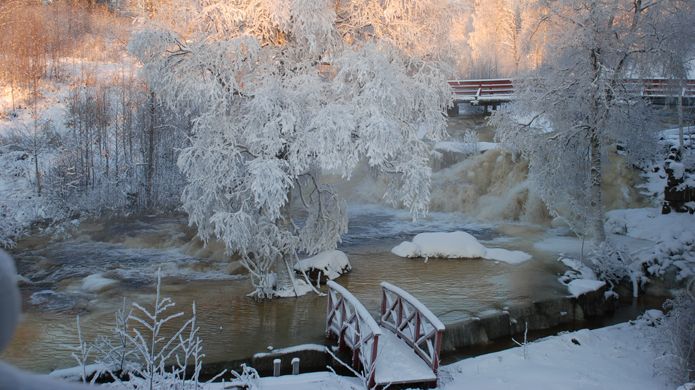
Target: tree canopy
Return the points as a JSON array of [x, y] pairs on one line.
[[283, 92]]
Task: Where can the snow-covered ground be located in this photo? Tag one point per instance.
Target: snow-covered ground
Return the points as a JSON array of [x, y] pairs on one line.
[[616, 357]]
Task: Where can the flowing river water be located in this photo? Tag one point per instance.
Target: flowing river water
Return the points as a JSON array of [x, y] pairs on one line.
[[234, 326]]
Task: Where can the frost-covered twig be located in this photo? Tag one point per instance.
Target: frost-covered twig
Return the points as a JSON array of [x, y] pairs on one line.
[[525, 342], [82, 353]]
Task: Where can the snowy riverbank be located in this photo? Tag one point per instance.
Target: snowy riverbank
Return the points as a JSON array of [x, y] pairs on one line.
[[616, 357]]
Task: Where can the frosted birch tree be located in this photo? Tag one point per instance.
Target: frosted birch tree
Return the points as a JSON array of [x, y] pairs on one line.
[[580, 102], [283, 92]]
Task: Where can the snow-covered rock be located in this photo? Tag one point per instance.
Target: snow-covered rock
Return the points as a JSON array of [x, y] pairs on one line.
[[449, 245], [578, 287], [406, 249], [97, 283], [455, 245], [326, 265]]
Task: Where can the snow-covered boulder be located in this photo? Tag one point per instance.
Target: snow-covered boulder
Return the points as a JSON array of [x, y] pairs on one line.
[[327, 265], [579, 287], [406, 249], [455, 245], [449, 245]]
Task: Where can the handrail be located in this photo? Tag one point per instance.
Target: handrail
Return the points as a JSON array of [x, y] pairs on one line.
[[351, 323], [413, 322], [653, 87]]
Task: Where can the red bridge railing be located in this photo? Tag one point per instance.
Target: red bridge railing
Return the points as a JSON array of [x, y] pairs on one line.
[[414, 323], [501, 90], [475, 89], [354, 327], [661, 87]]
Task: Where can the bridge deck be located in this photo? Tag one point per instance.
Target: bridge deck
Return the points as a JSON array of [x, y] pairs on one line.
[[398, 363]]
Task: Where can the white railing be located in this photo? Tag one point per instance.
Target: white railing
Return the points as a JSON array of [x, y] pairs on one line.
[[413, 322], [354, 327]]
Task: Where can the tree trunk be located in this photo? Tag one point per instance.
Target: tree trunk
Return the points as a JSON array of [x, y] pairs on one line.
[[680, 120], [36, 140], [596, 190], [595, 196], [150, 154], [284, 268]]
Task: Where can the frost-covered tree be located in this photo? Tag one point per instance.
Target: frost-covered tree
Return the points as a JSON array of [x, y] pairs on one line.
[[581, 101], [283, 92]]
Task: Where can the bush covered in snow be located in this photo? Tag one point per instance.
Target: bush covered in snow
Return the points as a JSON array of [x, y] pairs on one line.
[[677, 338], [141, 354]]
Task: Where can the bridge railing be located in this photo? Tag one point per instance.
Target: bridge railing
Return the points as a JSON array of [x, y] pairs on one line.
[[661, 87], [349, 321], [414, 323], [473, 89]]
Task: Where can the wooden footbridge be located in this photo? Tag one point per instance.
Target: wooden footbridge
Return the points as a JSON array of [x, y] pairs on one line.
[[402, 348], [492, 92]]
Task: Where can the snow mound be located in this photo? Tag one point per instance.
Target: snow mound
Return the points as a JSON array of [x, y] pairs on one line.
[[448, 245], [406, 249], [578, 287], [97, 283], [581, 270], [455, 245], [329, 264]]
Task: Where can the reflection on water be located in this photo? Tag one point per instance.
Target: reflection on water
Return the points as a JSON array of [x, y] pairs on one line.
[[234, 326]]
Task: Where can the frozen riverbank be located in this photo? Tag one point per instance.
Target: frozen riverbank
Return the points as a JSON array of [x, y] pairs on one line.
[[616, 357]]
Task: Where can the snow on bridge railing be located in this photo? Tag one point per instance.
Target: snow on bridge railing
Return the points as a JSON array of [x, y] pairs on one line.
[[476, 88], [349, 321], [413, 322], [502, 89]]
